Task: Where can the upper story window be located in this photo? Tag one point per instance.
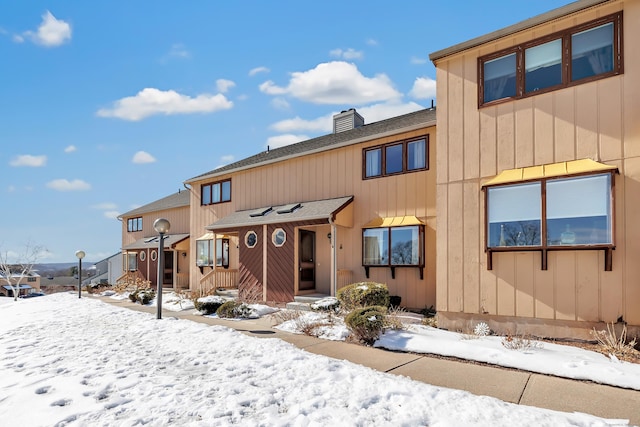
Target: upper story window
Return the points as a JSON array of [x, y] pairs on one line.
[[134, 224], [217, 192], [395, 158], [580, 54]]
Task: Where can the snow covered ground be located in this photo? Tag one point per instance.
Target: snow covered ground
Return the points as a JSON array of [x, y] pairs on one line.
[[79, 362]]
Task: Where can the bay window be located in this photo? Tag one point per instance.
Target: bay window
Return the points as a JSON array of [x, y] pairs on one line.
[[393, 247], [222, 252], [551, 213], [204, 253]]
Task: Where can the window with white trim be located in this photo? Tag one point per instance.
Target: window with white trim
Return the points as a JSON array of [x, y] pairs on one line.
[[204, 253]]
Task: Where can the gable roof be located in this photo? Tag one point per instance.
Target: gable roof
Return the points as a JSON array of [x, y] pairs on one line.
[[406, 122], [176, 200], [560, 12]]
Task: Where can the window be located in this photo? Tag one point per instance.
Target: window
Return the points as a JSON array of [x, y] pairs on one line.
[[143, 256], [222, 252], [31, 279], [395, 158], [204, 253], [154, 255], [217, 192], [393, 247], [251, 239], [584, 53], [551, 214], [131, 261], [278, 237], [134, 224]]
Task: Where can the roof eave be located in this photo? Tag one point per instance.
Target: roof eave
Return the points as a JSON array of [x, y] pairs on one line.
[[312, 151], [560, 12]]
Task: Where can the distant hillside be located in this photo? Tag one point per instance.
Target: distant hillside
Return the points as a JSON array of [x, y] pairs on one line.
[[59, 268]]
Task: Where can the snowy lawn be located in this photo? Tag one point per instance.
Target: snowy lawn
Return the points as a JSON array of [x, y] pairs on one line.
[[80, 362]]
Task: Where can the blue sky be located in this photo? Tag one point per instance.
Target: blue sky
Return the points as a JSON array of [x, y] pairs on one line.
[[109, 105]]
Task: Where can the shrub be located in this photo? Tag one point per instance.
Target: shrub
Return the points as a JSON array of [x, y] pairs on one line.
[[609, 342], [326, 304], [133, 296], [366, 323], [234, 309], [363, 294], [208, 305], [143, 296]]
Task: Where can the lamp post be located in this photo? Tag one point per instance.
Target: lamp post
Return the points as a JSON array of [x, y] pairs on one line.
[[162, 226], [80, 255]]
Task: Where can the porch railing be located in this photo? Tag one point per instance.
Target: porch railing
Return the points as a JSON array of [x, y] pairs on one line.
[[129, 277], [220, 278]]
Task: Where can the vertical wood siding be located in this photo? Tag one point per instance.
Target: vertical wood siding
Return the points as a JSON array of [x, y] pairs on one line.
[[597, 120]]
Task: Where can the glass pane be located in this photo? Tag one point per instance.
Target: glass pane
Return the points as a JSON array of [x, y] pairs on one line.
[[393, 161], [140, 224], [373, 160], [405, 246], [129, 224], [579, 211], [132, 261], [592, 52], [375, 249], [206, 194], [226, 191], [543, 66], [514, 214], [215, 193], [219, 253], [416, 155], [204, 252], [500, 78]]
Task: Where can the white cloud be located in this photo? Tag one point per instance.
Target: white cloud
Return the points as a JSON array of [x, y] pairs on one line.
[[423, 88], [52, 32], [258, 70], [105, 206], [66, 185], [17, 38], [372, 42], [324, 124], [418, 61], [143, 157], [11, 188], [29, 160], [227, 159], [283, 140], [347, 54], [112, 214], [224, 85], [280, 103], [321, 124], [178, 50], [70, 149], [335, 83], [150, 101]]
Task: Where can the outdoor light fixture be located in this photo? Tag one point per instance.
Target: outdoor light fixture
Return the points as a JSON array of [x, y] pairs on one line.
[[162, 226], [80, 255]]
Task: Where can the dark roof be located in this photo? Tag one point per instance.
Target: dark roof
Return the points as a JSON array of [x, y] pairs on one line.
[[152, 242], [304, 211], [415, 120], [176, 200], [560, 12]]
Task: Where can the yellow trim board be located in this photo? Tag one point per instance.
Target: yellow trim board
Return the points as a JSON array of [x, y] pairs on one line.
[[551, 170]]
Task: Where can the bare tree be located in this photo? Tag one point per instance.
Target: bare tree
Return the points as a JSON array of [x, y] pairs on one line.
[[14, 273]]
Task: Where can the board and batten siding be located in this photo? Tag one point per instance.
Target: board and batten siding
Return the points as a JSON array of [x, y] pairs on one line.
[[597, 120], [178, 217], [336, 173]]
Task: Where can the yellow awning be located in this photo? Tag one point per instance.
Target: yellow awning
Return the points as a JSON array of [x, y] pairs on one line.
[[207, 236], [574, 167], [393, 221]]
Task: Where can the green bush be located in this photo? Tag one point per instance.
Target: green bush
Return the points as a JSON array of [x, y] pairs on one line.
[[143, 296], [208, 305], [226, 310], [363, 294], [133, 296], [366, 324]]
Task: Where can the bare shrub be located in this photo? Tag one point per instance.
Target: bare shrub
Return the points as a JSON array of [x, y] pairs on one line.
[[520, 342], [609, 342], [392, 320], [250, 294]]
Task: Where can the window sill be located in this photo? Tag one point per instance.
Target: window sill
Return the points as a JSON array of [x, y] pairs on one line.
[[608, 252], [393, 269]]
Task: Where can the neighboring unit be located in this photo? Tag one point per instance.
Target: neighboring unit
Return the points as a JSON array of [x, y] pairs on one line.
[[140, 242], [29, 283], [309, 218], [538, 177]]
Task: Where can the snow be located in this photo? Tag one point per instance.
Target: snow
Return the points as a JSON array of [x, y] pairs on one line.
[[77, 362]]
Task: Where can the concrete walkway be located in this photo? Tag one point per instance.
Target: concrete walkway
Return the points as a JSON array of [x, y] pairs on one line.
[[509, 385]]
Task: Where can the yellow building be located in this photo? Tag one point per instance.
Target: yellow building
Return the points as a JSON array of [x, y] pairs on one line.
[[357, 204], [538, 173]]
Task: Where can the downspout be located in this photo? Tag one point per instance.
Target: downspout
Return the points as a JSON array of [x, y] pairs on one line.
[[334, 258]]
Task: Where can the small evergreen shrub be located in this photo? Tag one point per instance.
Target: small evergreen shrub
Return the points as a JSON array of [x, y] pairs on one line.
[[363, 294], [326, 304], [133, 296], [145, 296], [208, 305], [227, 310], [366, 324]]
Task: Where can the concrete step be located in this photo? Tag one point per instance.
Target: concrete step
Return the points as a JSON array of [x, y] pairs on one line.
[[299, 306], [310, 298]]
